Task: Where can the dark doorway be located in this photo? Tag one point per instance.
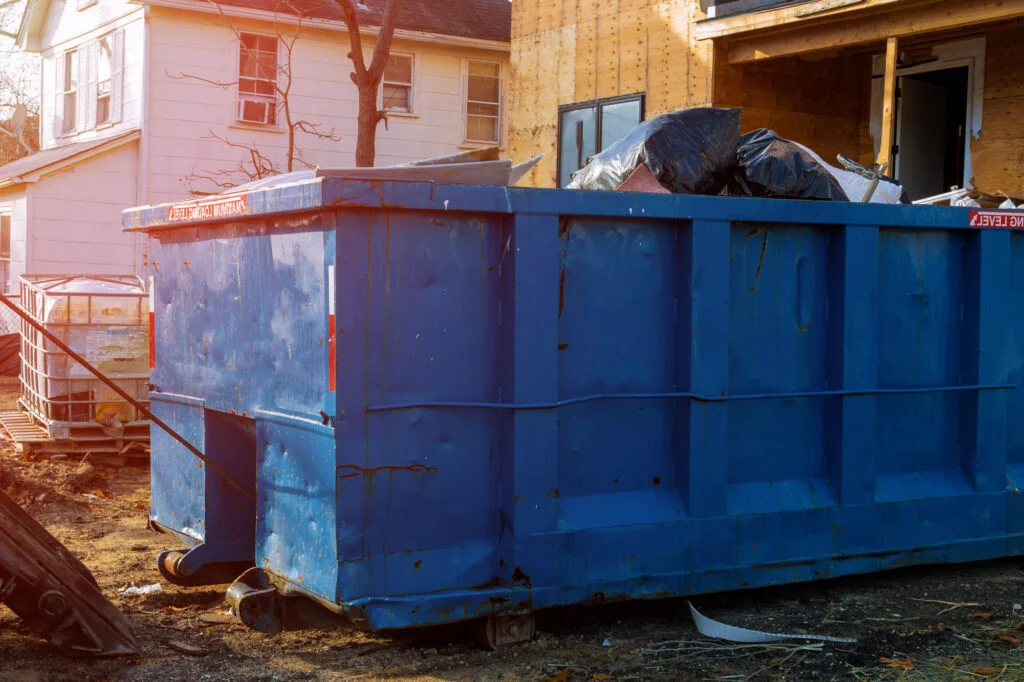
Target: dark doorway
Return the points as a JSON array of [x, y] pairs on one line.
[[931, 135]]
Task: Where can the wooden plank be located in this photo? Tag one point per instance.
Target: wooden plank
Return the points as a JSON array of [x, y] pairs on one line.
[[888, 106], [818, 12], [948, 15]]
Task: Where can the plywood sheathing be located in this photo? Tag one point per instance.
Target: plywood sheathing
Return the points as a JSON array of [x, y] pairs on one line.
[[998, 154], [578, 50], [817, 103]]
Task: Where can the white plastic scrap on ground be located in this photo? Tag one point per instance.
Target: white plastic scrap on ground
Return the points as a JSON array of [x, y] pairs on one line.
[[142, 589], [716, 630]]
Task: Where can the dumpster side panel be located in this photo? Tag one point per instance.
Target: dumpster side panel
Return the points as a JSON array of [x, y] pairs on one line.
[[429, 292], [178, 479], [1012, 362], [241, 316], [296, 511]]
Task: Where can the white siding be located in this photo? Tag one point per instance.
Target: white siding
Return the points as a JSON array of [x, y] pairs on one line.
[[14, 201], [182, 112], [76, 217], [65, 22], [133, 71]]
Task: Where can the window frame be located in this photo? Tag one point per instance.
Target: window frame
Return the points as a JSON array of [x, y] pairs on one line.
[[109, 37], [69, 58], [598, 105], [466, 102], [274, 100], [411, 85], [5, 261]]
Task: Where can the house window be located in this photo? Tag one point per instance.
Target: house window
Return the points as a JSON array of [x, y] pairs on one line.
[[69, 88], [104, 79], [396, 85], [586, 128], [89, 81], [257, 79], [483, 101]]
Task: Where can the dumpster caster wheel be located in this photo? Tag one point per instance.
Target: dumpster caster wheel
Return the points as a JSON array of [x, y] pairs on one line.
[[500, 631], [168, 561]]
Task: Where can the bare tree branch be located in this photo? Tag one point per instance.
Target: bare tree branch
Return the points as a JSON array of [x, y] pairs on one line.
[[259, 165]]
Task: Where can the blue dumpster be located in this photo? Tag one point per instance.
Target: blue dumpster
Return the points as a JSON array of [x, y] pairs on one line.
[[240, 324], [547, 397]]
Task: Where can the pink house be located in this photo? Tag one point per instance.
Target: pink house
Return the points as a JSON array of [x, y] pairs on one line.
[[147, 101]]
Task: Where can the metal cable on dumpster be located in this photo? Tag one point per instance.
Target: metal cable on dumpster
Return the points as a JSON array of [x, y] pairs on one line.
[[134, 403]]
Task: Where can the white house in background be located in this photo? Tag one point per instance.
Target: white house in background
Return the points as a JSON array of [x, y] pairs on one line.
[[136, 93]]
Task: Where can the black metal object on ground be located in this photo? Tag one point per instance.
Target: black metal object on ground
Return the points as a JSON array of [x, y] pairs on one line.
[[56, 596]]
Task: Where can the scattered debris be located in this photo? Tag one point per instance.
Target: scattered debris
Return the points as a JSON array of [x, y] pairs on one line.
[[714, 629], [185, 648], [952, 605], [147, 589]]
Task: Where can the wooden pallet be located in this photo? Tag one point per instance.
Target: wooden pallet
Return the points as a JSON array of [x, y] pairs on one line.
[[132, 446]]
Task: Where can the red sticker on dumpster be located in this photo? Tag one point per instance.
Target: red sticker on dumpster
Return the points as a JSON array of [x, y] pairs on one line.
[[1007, 220], [208, 209]]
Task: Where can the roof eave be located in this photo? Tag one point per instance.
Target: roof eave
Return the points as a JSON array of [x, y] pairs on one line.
[[60, 164], [327, 24], [31, 25]]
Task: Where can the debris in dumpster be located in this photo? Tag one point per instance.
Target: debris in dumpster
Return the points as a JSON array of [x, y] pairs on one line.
[[716, 630], [772, 166], [965, 196], [866, 185], [965, 202], [642, 180], [54, 593], [692, 151]]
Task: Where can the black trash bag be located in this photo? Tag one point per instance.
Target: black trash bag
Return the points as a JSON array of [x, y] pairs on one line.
[[772, 166], [692, 151]]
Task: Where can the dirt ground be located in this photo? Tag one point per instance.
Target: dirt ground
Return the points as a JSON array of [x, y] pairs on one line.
[[943, 623]]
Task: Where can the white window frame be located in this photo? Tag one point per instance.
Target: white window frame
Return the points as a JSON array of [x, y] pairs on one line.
[[5, 262], [66, 61], [465, 102], [109, 37], [411, 85], [273, 100]]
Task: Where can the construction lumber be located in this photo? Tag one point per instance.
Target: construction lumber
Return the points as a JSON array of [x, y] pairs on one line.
[[929, 18]]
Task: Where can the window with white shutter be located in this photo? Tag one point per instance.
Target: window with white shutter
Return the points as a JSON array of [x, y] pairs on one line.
[[67, 89], [104, 78]]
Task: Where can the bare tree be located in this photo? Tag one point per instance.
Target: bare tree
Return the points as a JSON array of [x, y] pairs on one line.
[[256, 163], [367, 78], [19, 94]]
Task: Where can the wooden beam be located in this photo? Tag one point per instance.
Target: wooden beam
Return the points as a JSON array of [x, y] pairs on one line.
[[888, 107], [950, 14], [818, 12]]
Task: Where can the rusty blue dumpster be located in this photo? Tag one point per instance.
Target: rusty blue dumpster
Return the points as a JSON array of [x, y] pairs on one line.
[[547, 397], [239, 324]]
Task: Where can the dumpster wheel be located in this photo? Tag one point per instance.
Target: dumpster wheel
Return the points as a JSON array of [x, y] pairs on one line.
[[168, 561], [497, 632]]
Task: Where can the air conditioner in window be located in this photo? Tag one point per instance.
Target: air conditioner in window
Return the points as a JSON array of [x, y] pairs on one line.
[[254, 110]]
